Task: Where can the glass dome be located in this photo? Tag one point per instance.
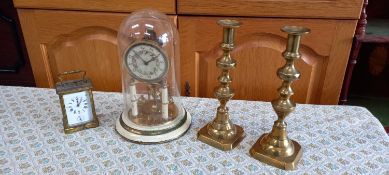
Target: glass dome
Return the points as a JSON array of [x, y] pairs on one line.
[[148, 44]]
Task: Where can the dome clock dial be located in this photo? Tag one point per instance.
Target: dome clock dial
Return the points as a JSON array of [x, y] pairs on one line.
[[145, 61]]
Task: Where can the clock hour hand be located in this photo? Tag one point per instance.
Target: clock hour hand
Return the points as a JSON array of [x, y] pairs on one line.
[[79, 102], [139, 57]]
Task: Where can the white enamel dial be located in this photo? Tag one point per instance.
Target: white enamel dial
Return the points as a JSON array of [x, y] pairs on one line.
[[78, 108], [146, 62]]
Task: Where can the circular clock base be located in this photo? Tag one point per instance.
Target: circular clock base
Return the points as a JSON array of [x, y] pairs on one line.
[[137, 136]]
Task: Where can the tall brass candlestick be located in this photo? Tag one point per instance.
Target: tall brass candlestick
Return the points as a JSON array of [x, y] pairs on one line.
[[275, 148], [221, 132]]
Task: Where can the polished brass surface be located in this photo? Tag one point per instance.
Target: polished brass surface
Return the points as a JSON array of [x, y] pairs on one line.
[[149, 113], [222, 144], [275, 148], [221, 132], [73, 86], [286, 162], [150, 107]]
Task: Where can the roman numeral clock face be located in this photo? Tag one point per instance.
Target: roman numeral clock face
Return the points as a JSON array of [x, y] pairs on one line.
[[78, 108], [146, 62]]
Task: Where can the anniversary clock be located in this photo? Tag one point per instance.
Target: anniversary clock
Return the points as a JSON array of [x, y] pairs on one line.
[[149, 47]]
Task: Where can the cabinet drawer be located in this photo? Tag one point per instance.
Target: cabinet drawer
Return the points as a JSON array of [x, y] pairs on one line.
[[259, 46], [341, 9], [166, 6]]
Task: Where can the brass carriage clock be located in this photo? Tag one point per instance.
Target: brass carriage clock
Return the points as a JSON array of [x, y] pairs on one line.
[[149, 46], [76, 99]]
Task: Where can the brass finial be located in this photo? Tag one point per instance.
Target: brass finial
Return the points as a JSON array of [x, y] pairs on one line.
[[221, 132], [275, 148]]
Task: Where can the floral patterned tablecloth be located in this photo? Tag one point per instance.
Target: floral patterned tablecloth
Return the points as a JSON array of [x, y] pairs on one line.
[[335, 139]]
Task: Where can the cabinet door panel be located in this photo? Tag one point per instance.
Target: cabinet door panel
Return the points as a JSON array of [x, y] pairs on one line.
[[59, 41], [259, 44], [90, 48]]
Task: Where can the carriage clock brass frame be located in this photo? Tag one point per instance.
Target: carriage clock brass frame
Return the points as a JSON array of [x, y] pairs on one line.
[[275, 148], [221, 132], [73, 86]]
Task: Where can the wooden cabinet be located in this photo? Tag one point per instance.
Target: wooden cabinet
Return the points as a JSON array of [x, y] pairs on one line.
[[60, 41], [259, 44], [82, 37], [81, 34]]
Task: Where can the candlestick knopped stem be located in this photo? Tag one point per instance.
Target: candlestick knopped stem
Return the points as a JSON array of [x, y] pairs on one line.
[[221, 132], [275, 148]]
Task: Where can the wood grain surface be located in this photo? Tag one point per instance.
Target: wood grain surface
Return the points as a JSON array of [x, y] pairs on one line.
[[166, 6], [333, 9]]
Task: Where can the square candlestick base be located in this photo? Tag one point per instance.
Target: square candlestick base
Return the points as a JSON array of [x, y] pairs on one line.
[[221, 144], [286, 163]]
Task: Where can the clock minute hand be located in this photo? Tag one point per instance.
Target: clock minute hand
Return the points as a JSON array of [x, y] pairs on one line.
[[152, 59]]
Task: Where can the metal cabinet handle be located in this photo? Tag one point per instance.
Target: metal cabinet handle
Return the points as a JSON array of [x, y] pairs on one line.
[[187, 89]]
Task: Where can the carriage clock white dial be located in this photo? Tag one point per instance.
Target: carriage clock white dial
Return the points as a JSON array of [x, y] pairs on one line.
[[78, 108], [146, 61]]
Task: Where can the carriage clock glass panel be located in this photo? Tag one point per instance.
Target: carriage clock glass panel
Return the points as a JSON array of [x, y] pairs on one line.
[[78, 108], [148, 42]]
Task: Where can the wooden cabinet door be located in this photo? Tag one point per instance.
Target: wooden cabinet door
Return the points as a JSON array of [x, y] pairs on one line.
[[59, 41], [259, 44]]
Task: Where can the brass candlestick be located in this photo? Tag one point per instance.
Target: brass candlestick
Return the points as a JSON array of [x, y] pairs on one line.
[[275, 148], [221, 132]]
